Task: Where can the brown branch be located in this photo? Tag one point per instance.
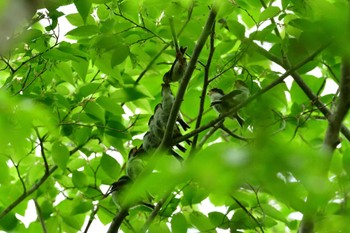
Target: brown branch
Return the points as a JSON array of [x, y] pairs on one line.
[[91, 218], [154, 213], [7, 64], [19, 175], [204, 89], [335, 120], [224, 128], [42, 149], [35, 56], [208, 134], [117, 221], [167, 138]]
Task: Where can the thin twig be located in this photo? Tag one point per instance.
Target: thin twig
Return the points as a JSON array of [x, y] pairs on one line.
[[42, 149], [232, 134], [247, 211], [208, 134], [154, 213], [91, 218], [136, 24], [40, 216], [19, 175]]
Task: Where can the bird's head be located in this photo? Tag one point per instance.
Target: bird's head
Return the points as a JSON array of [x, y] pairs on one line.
[[215, 91]]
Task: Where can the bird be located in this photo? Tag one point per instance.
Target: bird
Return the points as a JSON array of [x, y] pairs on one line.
[[224, 103], [136, 163], [178, 67], [150, 141], [155, 123], [168, 100], [241, 91], [119, 191]]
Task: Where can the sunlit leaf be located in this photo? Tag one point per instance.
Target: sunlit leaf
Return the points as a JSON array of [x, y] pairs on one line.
[[60, 154], [83, 7], [268, 13]]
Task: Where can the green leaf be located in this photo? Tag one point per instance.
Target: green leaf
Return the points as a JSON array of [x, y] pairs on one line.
[[200, 221], [95, 111], [75, 222], [81, 135], [60, 155], [81, 68], [5, 177], [120, 53], [346, 161], [57, 54], [179, 223], [80, 206], [8, 222], [110, 105], [127, 94], [219, 220], [273, 213], [76, 19], [159, 227], [88, 89], [171, 206], [268, 13], [79, 179], [107, 42], [64, 71], [101, 1], [46, 209], [83, 7], [236, 29], [84, 31], [110, 166]]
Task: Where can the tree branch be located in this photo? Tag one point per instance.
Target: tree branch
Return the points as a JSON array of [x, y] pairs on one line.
[[117, 221], [204, 89], [224, 128], [297, 78], [251, 98], [154, 213], [40, 216], [208, 134], [91, 218], [167, 138], [335, 120], [29, 192], [34, 187], [42, 149]]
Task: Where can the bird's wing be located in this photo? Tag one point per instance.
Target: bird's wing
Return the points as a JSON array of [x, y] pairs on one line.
[[231, 95], [215, 103]]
